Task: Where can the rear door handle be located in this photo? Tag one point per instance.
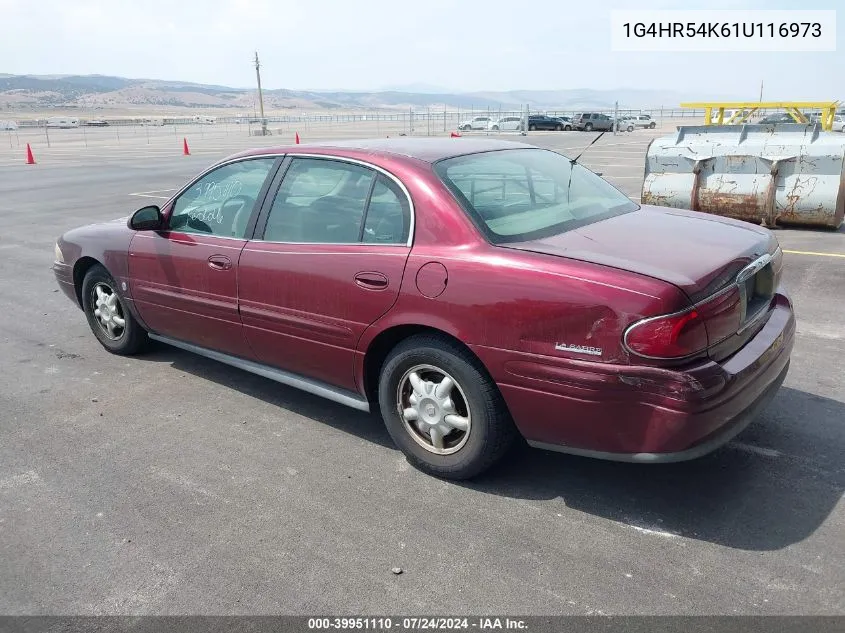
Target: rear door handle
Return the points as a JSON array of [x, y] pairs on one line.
[[219, 262], [371, 281]]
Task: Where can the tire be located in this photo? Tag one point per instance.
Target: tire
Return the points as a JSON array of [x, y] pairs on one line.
[[495, 128], [568, 128], [466, 128], [630, 128], [588, 127], [125, 340], [531, 128], [652, 125], [474, 400], [559, 128]]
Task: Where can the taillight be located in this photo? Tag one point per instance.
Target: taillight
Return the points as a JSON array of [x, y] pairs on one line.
[[690, 332], [671, 336]]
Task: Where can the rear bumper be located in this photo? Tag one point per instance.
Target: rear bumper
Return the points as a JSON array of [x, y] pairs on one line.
[[643, 414]]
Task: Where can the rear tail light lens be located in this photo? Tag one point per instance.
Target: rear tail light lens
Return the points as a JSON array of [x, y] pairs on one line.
[[670, 336], [689, 332]]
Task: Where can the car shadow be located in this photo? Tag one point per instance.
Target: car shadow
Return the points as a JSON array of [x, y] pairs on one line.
[[367, 426], [774, 486]]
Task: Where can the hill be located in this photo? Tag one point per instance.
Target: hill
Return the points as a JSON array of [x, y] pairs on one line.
[[36, 92]]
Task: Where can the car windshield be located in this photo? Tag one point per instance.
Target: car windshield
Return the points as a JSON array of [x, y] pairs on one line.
[[523, 194]]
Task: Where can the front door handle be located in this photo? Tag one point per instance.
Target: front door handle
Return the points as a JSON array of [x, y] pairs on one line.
[[371, 281], [219, 262]]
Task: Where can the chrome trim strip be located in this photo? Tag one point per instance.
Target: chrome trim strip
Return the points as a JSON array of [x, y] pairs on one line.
[[144, 234], [315, 387], [742, 276]]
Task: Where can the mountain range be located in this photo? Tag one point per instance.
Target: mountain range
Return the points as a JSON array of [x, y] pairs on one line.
[[34, 92]]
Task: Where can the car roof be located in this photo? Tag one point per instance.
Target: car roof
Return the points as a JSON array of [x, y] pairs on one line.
[[427, 150]]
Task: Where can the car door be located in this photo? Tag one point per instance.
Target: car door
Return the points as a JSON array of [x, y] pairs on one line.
[[184, 278], [328, 262]]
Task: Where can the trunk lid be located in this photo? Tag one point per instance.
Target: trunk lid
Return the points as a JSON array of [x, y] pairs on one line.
[[697, 252]]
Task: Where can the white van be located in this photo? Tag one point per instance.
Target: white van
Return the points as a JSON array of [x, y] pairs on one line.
[[205, 120], [729, 114], [62, 122]]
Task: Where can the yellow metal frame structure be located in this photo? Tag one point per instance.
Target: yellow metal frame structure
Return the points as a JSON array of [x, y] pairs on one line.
[[744, 110]]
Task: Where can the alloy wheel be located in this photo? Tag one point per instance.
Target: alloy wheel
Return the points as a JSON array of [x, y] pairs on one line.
[[434, 409]]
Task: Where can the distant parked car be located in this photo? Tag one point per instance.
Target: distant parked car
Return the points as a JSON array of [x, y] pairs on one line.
[[543, 122], [644, 121], [838, 123], [736, 115], [625, 124], [589, 121], [96, 123], [62, 122], [565, 121], [477, 123], [506, 123], [8, 125]]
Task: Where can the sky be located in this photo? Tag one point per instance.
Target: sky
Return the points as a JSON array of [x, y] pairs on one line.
[[457, 45]]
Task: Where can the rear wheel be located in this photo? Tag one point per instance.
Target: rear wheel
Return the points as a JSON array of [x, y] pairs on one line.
[[559, 128], [109, 319], [531, 128], [495, 128], [630, 128], [588, 127], [442, 409]]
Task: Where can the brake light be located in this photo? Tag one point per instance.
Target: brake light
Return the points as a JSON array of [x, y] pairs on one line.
[[671, 336], [686, 333]]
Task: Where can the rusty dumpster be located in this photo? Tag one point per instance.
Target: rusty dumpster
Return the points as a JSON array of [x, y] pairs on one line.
[[779, 174]]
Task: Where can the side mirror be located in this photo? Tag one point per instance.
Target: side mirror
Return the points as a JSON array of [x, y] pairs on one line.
[[146, 219]]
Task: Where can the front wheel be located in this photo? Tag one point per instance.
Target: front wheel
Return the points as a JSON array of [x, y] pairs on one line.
[[568, 128], [630, 128], [652, 125], [442, 409], [531, 128], [495, 128], [109, 319]]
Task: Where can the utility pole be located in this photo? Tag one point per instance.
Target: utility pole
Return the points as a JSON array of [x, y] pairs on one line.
[[260, 96], [615, 118], [761, 91]]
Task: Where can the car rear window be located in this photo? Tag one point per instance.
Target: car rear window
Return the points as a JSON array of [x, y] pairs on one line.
[[515, 195]]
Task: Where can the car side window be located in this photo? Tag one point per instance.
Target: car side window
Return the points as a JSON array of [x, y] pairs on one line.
[[388, 216], [320, 201], [221, 202], [326, 201]]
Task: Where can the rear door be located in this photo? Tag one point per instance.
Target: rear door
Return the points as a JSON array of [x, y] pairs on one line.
[[328, 261]]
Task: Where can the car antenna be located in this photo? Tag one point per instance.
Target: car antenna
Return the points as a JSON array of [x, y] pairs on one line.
[[575, 160]]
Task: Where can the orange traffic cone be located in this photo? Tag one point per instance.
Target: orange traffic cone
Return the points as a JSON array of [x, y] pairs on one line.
[[30, 159], [185, 150], [297, 138]]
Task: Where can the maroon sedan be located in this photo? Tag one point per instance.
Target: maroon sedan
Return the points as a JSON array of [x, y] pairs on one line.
[[471, 290]]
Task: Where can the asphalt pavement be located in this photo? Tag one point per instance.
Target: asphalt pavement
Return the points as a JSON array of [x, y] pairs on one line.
[[171, 484]]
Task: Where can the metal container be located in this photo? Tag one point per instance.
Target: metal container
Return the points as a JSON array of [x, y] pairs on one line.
[[767, 174]]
